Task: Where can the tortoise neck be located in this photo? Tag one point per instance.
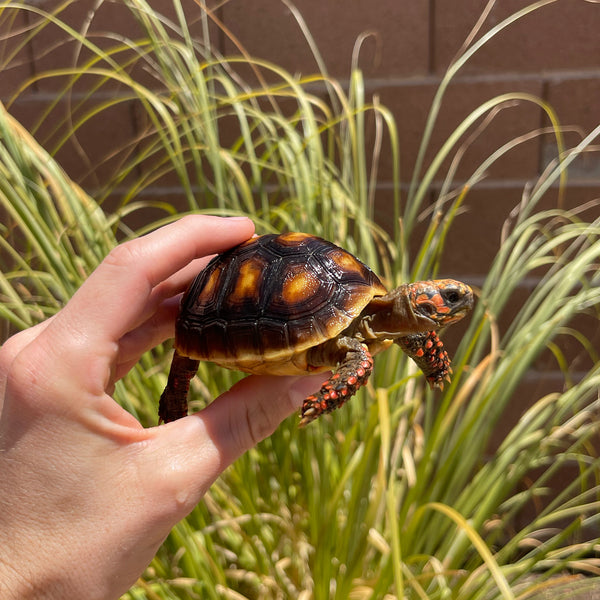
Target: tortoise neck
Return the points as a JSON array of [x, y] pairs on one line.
[[392, 316]]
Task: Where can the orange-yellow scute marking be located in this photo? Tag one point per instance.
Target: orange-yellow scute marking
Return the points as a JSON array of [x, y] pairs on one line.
[[293, 237], [208, 293], [248, 279], [337, 321], [346, 261], [299, 285]]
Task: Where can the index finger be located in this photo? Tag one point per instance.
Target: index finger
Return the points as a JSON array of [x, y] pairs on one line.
[[111, 300]]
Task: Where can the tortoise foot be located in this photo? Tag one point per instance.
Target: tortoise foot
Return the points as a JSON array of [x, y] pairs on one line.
[[428, 352], [352, 373]]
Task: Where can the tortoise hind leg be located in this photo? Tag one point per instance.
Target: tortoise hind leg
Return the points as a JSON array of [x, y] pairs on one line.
[[355, 367], [173, 401]]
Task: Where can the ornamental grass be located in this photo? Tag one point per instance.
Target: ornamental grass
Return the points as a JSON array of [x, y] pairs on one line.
[[401, 494]]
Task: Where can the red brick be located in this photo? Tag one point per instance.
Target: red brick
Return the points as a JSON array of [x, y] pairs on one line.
[[410, 105], [579, 197], [475, 235], [14, 70], [267, 29], [98, 147], [55, 49], [570, 350], [576, 101], [562, 35], [384, 214], [576, 104]]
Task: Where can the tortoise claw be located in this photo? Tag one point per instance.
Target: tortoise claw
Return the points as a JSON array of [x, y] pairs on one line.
[[310, 415]]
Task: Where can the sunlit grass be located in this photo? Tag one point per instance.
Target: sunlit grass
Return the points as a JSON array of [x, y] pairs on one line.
[[400, 492]]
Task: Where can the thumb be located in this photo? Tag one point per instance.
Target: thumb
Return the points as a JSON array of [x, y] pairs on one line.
[[196, 449], [252, 409]]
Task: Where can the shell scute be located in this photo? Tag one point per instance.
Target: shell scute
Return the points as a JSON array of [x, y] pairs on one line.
[[207, 295], [299, 284], [348, 265], [247, 282], [293, 238]]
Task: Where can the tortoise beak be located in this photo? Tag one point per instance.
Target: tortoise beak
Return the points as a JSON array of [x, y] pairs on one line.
[[455, 316]]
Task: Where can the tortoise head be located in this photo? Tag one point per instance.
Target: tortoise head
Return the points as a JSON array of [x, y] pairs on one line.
[[416, 308], [441, 301]]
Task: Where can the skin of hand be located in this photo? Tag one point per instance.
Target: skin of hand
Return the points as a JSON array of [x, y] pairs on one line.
[[87, 495]]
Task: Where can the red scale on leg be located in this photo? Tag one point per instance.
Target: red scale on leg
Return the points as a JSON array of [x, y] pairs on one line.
[[428, 352], [353, 372]]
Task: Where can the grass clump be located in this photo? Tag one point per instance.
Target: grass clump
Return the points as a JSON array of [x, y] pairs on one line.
[[400, 494]]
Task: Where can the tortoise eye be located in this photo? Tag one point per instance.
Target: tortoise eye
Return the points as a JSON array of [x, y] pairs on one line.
[[452, 297]]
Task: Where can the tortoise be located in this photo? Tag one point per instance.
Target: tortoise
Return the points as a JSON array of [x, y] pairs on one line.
[[294, 303]]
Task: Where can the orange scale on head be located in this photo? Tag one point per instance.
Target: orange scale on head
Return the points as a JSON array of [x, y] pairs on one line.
[[440, 304]]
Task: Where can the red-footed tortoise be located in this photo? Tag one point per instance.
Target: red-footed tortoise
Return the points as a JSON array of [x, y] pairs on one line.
[[293, 303]]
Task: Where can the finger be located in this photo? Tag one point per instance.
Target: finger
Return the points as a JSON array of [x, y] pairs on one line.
[[83, 340], [159, 319], [114, 296], [160, 322], [179, 282], [252, 409], [189, 454], [13, 345], [155, 330], [156, 322]]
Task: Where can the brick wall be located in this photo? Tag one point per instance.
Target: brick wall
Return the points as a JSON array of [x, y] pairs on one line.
[[553, 53]]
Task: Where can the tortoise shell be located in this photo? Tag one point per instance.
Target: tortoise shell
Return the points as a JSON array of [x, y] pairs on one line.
[[261, 305]]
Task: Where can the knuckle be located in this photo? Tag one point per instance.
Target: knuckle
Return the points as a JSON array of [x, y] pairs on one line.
[[250, 424], [8, 351], [13, 355], [261, 423], [21, 376], [122, 255]]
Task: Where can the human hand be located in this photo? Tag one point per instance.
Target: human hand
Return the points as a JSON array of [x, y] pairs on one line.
[[87, 495]]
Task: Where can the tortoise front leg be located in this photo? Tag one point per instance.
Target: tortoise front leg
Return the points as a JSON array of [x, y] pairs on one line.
[[355, 367], [173, 403], [427, 350]]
